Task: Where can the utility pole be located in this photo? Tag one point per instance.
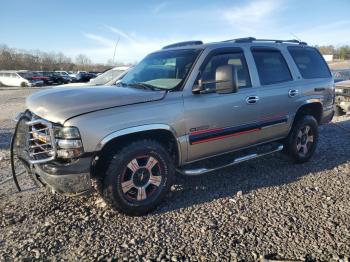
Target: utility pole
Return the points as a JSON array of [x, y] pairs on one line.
[[115, 49]]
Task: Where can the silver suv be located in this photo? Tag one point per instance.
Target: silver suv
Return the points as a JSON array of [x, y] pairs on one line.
[[172, 113]]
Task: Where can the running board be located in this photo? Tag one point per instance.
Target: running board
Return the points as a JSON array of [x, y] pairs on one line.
[[201, 171]]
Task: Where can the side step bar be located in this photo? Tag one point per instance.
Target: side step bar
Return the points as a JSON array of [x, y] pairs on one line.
[[201, 171]]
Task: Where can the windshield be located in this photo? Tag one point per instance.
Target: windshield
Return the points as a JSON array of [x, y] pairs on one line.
[[163, 70], [106, 77]]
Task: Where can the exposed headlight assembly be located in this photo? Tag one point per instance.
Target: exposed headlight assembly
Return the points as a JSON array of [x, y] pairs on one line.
[[67, 132], [68, 142], [338, 91]]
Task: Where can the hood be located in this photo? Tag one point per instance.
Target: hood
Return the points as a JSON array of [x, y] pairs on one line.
[[74, 85], [59, 104]]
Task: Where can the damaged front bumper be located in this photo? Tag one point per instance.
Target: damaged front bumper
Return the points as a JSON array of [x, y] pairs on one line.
[[71, 179], [35, 145]]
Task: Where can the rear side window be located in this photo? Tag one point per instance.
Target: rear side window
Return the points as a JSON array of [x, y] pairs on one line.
[[309, 62], [271, 65]]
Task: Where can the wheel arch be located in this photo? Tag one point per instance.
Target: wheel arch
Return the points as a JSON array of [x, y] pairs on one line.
[[161, 133], [311, 107]]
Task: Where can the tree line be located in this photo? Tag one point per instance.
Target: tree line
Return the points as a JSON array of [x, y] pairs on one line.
[[36, 60], [342, 52]]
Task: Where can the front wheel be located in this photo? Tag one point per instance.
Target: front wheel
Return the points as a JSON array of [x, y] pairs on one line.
[[302, 140], [138, 177]]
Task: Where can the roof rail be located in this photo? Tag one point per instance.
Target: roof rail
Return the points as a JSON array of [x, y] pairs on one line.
[[186, 43], [253, 39]]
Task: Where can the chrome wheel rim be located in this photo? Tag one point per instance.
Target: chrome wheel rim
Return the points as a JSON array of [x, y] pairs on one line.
[[141, 179], [305, 140]]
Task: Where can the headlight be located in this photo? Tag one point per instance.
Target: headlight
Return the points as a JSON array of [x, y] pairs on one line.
[[69, 132], [338, 90], [69, 144]]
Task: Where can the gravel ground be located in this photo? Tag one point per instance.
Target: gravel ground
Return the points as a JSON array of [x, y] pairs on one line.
[[267, 208]]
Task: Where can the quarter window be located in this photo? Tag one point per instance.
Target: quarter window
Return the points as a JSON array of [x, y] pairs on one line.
[[272, 67], [309, 62], [235, 59]]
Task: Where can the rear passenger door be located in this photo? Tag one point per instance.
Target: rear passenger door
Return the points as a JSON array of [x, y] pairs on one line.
[[277, 91]]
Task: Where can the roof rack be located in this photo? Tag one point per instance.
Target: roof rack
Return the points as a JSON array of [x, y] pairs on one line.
[[186, 43], [253, 39]]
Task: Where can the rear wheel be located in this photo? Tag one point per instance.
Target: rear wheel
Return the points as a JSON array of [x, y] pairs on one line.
[[302, 140], [138, 177]]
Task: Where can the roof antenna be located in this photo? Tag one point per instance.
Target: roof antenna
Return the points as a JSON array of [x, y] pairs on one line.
[[115, 49], [296, 37]]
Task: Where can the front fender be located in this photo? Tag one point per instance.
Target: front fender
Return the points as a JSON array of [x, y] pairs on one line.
[[142, 128]]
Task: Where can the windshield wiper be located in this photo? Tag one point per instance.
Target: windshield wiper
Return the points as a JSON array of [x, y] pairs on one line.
[[144, 86]]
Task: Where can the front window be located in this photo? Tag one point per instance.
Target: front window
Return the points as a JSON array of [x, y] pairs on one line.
[[234, 59], [162, 70]]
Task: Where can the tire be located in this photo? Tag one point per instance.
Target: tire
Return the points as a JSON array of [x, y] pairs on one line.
[[24, 84], [302, 140], [138, 177], [338, 111]]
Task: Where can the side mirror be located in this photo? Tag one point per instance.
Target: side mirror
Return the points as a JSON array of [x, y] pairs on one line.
[[226, 79], [198, 88]]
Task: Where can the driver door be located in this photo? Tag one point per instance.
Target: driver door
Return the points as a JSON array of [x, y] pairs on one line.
[[219, 123]]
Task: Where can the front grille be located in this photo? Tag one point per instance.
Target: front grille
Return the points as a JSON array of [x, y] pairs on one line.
[[41, 141]]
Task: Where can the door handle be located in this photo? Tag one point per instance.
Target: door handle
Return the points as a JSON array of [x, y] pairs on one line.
[[250, 100], [319, 89], [293, 92]]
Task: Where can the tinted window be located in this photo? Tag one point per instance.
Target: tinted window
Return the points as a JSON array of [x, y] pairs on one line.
[[272, 67], [310, 62], [235, 59]]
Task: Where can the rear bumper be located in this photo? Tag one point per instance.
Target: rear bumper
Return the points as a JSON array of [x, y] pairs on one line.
[[327, 115], [73, 179]]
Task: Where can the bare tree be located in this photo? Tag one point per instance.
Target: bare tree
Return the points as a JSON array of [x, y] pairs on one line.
[[83, 61], [17, 59]]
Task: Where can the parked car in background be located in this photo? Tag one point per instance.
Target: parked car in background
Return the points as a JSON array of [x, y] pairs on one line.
[[39, 75], [84, 76], [107, 78], [65, 75], [56, 78], [19, 78], [342, 98], [95, 73], [341, 75]]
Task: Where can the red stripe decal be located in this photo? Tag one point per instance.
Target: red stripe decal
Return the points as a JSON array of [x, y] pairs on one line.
[[225, 136], [206, 131]]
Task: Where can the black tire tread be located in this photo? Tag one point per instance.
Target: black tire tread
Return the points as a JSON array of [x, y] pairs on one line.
[[300, 121], [114, 165]]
